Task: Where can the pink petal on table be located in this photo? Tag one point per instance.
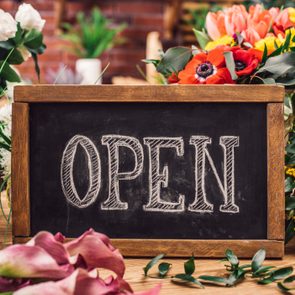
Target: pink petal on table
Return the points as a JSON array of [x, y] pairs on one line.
[[97, 251], [23, 261], [51, 245]]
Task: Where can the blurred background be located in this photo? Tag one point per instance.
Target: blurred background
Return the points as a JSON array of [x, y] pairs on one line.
[[143, 27]]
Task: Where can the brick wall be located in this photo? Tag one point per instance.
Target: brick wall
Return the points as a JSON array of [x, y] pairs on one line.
[[141, 16]]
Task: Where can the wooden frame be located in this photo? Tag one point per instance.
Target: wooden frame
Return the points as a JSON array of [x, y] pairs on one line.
[[272, 96]]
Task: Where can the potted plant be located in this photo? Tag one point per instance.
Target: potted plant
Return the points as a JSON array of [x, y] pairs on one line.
[[91, 37]]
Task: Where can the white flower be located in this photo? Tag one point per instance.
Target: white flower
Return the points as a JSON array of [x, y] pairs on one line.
[[29, 18], [5, 162], [5, 156], [8, 26], [5, 117]]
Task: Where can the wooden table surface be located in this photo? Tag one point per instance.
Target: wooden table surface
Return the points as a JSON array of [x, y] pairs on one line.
[[134, 273]]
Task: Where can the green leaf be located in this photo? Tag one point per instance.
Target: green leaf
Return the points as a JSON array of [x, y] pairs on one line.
[[155, 62], [188, 279], [262, 270], [213, 279], [230, 64], [33, 39], [164, 268], [282, 273], [189, 266], [284, 287], [290, 203], [8, 73], [290, 233], [264, 56], [232, 258], [269, 81], [202, 38], [279, 65], [257, 260], [15, 58], [289, 184], [174, 60], [276, 275], [152, 263]]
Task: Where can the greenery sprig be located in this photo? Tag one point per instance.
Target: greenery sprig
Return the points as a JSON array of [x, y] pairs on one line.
[[237, 273]]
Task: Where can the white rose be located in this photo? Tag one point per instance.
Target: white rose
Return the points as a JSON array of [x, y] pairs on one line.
[[29, 18], [8, 26]]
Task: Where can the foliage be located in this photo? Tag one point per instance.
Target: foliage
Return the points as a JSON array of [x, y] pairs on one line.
[[290, 166], [93, 35], [237, 273], [12, 53]]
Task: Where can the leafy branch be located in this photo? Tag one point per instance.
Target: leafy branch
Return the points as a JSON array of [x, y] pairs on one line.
[[237, 273]]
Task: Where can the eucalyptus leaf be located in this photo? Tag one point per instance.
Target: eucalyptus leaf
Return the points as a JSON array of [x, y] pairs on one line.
[[213, 279], [174, 60], [202, 38], [282, 272], [279, 65], [230, 64], [164, 268], [8, 73], [290, 233], [189, 266], [232, 258], [269, 80], [289, 184], [262, 270], [290, 203], [188, 279], [152, 263], [282, 285], [258, 259]]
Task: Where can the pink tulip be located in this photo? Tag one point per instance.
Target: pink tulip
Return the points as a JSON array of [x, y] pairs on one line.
[[253, 25], [215, 25], [283, 22]]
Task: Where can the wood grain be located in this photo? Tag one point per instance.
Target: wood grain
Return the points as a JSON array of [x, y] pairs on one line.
[[20, 170], [275, 171], [147, 93], [184, 248]]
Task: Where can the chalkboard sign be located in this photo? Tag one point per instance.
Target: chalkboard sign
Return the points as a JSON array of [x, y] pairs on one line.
[[178, 169]]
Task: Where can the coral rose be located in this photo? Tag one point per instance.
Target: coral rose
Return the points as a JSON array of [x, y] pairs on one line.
[[206, 68]]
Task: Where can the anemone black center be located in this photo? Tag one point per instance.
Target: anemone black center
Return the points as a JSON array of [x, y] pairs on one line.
[[205, 69], [239, 65]]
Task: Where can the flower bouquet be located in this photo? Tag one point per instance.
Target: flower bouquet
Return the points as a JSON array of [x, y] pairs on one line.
[[20, 38], [239, 46]]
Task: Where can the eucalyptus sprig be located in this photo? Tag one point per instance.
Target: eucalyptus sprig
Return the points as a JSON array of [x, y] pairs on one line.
[[237, 273]]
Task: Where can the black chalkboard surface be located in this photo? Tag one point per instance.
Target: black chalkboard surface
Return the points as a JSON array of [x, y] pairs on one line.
[[53, 125], [159, 169]]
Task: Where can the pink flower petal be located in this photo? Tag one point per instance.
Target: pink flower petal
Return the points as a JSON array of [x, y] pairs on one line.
[[51, 245], [63, 287], [23, 261], [8, 285], [97, 252], [78, 283]]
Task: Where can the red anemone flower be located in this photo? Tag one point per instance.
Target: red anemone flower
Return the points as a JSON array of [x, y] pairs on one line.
[[246, 61], [206, 68]]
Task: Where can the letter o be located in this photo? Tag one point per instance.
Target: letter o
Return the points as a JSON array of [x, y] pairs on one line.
[[94, 166]]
